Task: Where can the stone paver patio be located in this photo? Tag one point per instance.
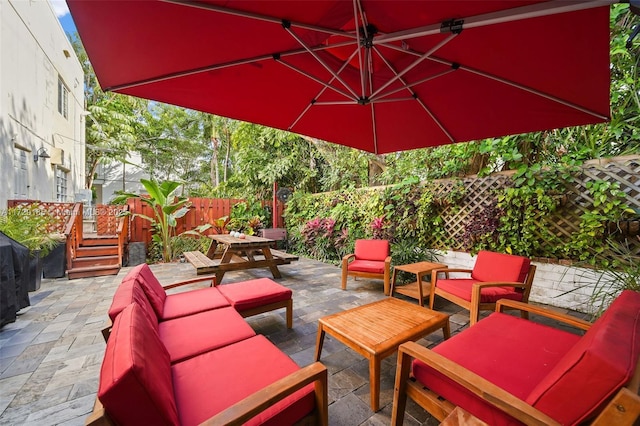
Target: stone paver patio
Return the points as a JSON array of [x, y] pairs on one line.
[[50, 357]]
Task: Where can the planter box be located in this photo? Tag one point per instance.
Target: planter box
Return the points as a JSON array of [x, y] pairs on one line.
[[35, 270], [54, 264]]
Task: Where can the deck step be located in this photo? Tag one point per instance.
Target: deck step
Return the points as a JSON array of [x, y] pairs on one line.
[[104, 240], [81, 262], [92, 271], [93, 251]]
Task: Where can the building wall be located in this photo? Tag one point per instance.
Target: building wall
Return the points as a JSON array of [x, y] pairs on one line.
[[34, 54], [119, 176]]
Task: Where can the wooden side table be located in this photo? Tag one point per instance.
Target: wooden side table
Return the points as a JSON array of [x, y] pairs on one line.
[[375, 331], [417, 289]]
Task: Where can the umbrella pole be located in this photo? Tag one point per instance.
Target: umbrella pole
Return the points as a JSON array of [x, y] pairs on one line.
[[274, 207]]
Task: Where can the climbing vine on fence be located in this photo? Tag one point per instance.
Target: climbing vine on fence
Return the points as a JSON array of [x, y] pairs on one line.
[[561, 212]]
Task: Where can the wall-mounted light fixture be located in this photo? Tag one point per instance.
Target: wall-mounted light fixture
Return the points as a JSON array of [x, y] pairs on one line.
[[41, 153]]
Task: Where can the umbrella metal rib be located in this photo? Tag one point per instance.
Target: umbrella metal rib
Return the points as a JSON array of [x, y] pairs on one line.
[[368, 42]]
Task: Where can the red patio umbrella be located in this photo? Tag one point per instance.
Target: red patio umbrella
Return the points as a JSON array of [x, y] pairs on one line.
[[380, 76]]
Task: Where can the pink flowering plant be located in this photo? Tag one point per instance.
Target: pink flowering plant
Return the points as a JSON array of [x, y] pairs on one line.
[[322, 240], [380, 229]]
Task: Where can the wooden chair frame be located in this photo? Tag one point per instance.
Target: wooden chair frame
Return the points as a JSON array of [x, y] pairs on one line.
[[252, 405], [623, 409], [386, 276], [475, 306]]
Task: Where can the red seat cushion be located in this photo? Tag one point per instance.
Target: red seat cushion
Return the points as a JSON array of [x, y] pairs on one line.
[[195, 334], [511, 352], [207, 384], [371, 249], [462, 287], [254, 293], [191, 302], [597, 367], [500, 267], [135, 377], [372, 266]]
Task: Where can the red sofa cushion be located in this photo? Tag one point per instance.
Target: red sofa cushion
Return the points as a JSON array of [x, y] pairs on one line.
[[597, 367], [122, 298], [254, 293], [207, 384], [371, 266], [509, 351], [195, 334], [371, 249], [150, 284], [491, 266], [129, 292], [462, 287], [135, 377], [191, 302]]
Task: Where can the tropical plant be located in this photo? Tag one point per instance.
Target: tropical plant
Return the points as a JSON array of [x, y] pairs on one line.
[[166, 208], [613, 275], [247, 217], [30, 225]]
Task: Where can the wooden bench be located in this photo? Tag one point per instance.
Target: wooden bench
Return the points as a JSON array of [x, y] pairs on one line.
[[284, 256], [199, 260], [204, 265]]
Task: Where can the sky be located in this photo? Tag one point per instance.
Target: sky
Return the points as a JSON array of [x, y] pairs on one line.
[[62, 12]]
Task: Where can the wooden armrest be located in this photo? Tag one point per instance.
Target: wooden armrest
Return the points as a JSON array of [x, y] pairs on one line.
[[244, 410], [477, 385], [98, 416], [545, 312], [346, 257], [211, 278]]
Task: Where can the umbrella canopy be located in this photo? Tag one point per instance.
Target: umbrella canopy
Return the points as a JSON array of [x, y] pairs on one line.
[[380, 76]]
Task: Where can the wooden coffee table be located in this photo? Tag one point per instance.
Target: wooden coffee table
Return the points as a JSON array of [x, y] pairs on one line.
[[416, 289], [377, 329]]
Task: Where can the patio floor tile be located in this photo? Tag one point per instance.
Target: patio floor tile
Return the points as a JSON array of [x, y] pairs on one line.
[[50, 357]]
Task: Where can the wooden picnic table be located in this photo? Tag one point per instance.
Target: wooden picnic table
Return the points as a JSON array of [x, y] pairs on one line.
[[228, 253]]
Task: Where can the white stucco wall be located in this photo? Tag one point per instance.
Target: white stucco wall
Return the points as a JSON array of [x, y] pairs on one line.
[[34, 52], [555, 285]]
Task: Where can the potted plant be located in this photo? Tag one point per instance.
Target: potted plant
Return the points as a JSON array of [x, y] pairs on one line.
[[29, 225]]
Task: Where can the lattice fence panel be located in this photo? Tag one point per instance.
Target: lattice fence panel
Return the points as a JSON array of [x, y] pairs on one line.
[[558, 228], [60, 212], [479, 194], [107, 218]]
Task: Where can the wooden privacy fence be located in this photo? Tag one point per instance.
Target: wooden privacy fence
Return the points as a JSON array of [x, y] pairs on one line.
[[201, 212], [557, 227]]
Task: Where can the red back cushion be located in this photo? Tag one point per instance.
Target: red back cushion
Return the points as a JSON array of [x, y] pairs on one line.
[[596, 367], [122, 298], [128, 292], [372, 249], [135, 379], [143, 275], [500, 267]]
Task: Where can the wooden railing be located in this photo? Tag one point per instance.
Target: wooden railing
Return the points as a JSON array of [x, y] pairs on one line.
[[73, 233], [122, 232]]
